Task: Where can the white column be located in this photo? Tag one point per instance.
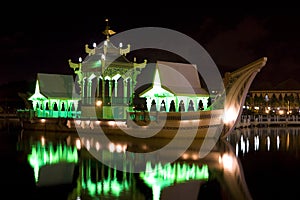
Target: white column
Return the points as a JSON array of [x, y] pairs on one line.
[[103, 91], [125, 91], [98, 87], [110, 87], [89, 91], [116, 88], [75, 105], [130, 87], [83, 90], [59, 107], [34, 104]]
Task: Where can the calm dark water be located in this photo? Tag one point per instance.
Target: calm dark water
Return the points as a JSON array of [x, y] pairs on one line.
[[269, 159]]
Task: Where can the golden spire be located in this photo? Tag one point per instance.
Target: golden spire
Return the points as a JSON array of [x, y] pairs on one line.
[[107, 30]]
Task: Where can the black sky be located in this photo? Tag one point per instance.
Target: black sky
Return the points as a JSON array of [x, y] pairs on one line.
[[234, 37]]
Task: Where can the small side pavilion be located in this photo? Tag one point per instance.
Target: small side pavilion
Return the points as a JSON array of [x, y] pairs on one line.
[[55, 96], [176, 88]]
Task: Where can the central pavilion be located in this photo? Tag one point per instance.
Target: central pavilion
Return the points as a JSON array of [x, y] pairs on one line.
[[106, 82]]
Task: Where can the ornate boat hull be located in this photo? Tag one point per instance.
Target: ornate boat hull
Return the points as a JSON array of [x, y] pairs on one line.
[[166, 124], [213, 123]]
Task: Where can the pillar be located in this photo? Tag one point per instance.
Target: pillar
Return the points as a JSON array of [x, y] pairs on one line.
[[130, 87], [83, 90], [59, 108], [98, 86], [110, 88], [34, 105], [103, 92], [125, 91], [75, 105], [89, 91], [116, 88]]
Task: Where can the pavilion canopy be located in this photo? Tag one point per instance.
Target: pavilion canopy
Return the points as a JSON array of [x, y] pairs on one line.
[[54, 86], [180, 79]]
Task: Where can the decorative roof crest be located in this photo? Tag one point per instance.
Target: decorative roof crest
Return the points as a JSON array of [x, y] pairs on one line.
[[108, 32]]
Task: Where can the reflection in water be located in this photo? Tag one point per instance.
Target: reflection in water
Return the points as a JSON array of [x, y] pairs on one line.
[[252, 147], [218, 175], [270, 159], [265, 154], [45, 154], [265, 139], [161, 176], [97, 179]]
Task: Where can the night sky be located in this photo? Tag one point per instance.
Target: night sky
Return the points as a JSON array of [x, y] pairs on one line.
[[233, 37]]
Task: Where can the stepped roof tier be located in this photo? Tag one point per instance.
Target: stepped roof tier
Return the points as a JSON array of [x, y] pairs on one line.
[[105, 59]]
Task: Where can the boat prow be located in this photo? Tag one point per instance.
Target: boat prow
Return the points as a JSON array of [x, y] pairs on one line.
[[237, 84]]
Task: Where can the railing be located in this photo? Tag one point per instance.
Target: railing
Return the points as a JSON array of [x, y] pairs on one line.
[[143, 118], [107, 101], [29, 114], [269, 120]]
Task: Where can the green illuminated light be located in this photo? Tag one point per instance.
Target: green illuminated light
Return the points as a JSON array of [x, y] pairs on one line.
[[109, 186], [157, 90], [163, 176], [97, 64], [42, 155], [37, 94]]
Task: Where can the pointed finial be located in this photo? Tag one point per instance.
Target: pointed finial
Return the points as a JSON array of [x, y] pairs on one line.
[[107, 30]]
